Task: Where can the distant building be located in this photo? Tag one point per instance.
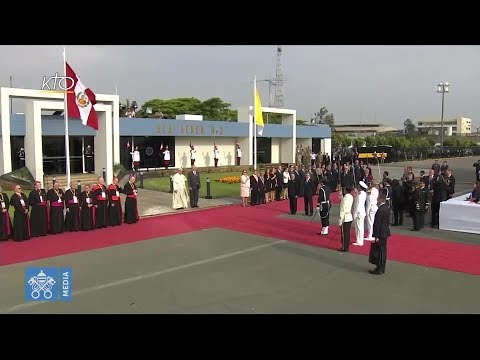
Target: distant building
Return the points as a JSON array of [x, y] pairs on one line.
[[363, 130], [457, 126]]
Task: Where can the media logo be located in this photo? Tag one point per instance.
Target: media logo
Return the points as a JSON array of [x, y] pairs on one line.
[[48, 284]]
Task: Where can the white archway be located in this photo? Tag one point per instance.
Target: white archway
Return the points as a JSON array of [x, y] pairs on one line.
[[288, 145], [107, 137]]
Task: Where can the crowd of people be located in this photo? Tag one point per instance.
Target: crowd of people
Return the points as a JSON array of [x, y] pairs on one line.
[[361, 196], [56, 211]]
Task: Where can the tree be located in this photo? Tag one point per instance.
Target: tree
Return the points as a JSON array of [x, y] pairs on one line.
[[323, 117], [215, 109], [272, 118], [358, 142], [409, 128], [339, 141], [371, 140], [211, 109]]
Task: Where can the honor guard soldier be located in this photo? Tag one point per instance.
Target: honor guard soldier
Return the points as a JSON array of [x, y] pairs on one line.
[[387, 190], [324, 205]]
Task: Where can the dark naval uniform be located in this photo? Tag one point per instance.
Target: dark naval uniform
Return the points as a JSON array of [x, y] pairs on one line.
[[324, 207]]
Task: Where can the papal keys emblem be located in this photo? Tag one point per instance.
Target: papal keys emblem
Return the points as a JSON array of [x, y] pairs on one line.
[[82, 99]]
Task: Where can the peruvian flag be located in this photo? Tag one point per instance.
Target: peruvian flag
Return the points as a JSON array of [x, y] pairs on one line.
[[80, 102]]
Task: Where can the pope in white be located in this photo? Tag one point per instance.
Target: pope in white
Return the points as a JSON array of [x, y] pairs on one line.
[[180, 194], [359, 213]]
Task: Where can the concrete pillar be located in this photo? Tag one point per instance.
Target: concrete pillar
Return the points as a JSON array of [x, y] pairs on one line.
[[5, 146], [103, 142], [327, 146], [33, 138], [245, 114], [116, 131], [289, 145]]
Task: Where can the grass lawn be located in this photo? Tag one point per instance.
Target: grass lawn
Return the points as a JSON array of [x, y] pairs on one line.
[[217, 189]]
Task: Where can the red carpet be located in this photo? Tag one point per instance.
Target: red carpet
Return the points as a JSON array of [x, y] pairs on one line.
[[262, 220]]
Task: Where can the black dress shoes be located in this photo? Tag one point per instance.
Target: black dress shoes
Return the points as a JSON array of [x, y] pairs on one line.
[[375, 272]]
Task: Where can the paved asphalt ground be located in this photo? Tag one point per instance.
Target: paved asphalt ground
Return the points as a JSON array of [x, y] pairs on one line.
[[219, 271]]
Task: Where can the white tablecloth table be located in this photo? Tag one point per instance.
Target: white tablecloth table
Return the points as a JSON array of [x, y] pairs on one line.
[[457, 214]]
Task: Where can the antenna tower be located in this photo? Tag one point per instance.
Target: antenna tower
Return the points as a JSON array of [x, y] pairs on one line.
[[279, 79]]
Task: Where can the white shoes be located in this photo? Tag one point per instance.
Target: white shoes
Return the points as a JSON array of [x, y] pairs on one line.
[[324, 230], [357, 244]]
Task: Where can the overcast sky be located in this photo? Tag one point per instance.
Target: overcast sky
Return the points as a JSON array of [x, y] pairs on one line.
[[382, 84]]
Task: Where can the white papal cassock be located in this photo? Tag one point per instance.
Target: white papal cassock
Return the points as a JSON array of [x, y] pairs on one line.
[[180, 193]]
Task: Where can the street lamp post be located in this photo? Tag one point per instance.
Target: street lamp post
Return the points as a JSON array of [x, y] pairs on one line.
[[442, 88]]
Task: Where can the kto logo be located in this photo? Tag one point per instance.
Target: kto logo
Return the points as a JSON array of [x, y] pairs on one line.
[[60, 84], [48, 284]]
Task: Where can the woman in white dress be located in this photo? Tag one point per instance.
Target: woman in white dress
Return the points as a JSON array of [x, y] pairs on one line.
[[286, 177], [245, 187]]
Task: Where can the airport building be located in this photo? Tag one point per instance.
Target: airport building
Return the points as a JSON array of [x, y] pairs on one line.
[[363, 130], [43, 137], [456, 126]]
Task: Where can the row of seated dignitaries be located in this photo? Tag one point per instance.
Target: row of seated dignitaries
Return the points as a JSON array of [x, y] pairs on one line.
[[55, 211]]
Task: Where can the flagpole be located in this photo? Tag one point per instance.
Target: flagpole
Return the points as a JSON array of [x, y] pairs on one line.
[[83, 154], [67, 142], [254, 123]]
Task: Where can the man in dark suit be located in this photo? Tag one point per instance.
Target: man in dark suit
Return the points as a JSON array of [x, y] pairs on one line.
[[308, 191], [477, 170], [346, 178], [292, 193], [279, 188], [254, 193], [381, 232], [450, 180], [444, 167], [436, 167], [193, 186]]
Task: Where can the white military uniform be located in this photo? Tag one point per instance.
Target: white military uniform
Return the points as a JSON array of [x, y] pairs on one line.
[[166, 155], [359, 214], [372, 208]]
